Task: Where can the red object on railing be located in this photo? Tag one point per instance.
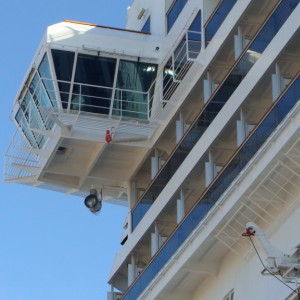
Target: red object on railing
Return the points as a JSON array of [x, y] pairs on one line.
[[249, 232], [108, 136]]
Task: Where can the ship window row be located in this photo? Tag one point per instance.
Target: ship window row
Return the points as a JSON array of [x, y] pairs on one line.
[[95, 86], [216, 102], [32, 114], [207, 200]]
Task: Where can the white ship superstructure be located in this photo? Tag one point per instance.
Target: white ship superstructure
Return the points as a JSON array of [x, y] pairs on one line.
[[190, 117]]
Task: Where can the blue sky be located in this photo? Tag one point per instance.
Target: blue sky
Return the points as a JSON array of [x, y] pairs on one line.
[[51, 247]]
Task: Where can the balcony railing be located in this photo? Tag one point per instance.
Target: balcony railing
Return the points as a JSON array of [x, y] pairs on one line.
[[279, 110], [216, 102]]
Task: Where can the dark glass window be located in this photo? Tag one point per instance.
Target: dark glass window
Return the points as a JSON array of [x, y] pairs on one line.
[[133, 82], [94, 78], [63, 64], [174, 12], [95, 70], [217, 19], [137, 76], [146, 28]]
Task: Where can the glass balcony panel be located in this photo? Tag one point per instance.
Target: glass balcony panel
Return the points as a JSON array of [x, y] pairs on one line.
[[174, 12], [217, 19], [274, 23]]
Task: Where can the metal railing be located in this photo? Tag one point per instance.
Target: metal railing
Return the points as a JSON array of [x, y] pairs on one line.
[[179, 62]]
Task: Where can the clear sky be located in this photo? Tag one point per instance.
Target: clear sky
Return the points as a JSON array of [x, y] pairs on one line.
[[51, 246]]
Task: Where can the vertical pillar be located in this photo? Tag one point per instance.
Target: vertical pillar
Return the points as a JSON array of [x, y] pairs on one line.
[[209, 170], [277, 83], [154, 240], [241, 126], [208, 87], [180, 207], [179, 128], [154, 164], [132, 199], [131, 270], [238, 43]]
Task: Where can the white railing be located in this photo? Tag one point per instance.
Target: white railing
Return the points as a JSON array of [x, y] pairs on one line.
[[19, 155], [180, 60]]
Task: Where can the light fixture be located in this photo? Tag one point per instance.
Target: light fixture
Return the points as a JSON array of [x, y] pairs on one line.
[[93, 202], [142, 12]]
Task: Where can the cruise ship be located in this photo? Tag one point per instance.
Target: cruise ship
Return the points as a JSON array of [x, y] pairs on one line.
[[190, 117]]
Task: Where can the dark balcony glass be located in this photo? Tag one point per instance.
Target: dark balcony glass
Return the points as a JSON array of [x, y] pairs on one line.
[[174, 12], [217, 19]]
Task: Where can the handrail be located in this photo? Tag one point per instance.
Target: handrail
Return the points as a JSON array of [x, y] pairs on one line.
[[173, 47], [165, 89]]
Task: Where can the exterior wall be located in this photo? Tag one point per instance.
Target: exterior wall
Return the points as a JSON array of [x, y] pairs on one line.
[[245, 276], [157, 16]]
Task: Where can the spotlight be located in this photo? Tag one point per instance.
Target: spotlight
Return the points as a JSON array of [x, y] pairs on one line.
[[92, 202]]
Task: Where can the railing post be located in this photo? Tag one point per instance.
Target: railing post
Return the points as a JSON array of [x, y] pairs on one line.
[[121, 104], [187, 44], [79, 98], [148, 105]]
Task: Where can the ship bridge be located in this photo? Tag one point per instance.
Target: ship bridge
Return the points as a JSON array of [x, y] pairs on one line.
[[84, 110]]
